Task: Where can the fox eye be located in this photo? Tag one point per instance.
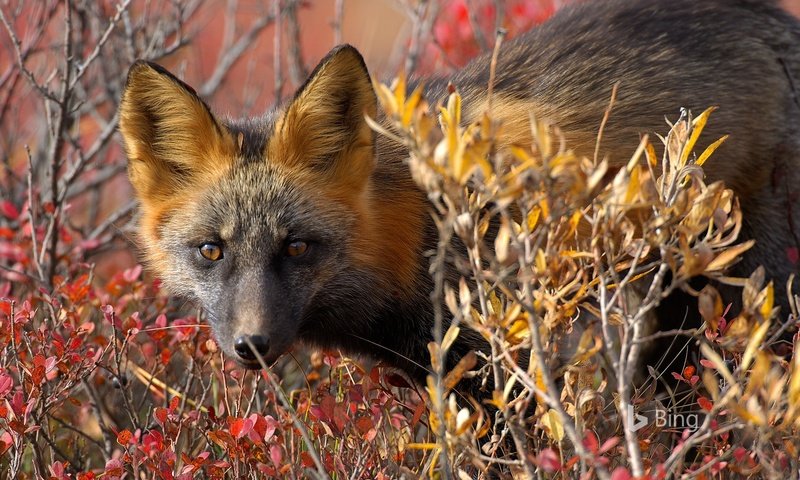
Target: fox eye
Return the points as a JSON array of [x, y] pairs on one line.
[[211, 251], [296, 248]]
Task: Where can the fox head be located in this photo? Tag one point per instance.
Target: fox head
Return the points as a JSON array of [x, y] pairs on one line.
[[283, 228]]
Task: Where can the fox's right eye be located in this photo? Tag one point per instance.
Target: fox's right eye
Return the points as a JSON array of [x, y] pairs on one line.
[[211, 251]]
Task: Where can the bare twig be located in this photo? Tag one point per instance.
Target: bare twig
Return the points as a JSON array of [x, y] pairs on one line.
[[294, 57], [338, 17], [276, 52], [422, 17]]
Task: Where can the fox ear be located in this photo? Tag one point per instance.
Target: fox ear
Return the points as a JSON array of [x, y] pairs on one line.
[[323, 128], [171, 137]]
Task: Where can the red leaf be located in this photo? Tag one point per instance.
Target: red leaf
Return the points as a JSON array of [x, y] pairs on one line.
[[161, 415], [590, 441], [124, 437], [306, 460], [421, 407], [132, 274], [223, 439], [113, 468], [326, 405], [6, 383], [705, 403], [396, 380], [621, 473], [276, 454], [364, 425], [609, 444], [37, 375], [241, 427], [707, 363], [549, 461], [739, 453], [9, 210]]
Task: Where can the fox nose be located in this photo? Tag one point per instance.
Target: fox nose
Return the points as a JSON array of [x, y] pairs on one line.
[[260, 345]]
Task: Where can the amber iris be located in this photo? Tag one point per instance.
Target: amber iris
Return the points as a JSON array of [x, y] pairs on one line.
[[211, 251], [296, 248]]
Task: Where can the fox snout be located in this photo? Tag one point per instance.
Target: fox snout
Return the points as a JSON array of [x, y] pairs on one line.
[[253, 321], [252, 347], [255, 344]]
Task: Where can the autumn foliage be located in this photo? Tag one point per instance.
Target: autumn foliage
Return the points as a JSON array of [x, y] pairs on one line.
[[103, 375]]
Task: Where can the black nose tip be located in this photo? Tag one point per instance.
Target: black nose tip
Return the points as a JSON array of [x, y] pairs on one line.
[[259, 342]]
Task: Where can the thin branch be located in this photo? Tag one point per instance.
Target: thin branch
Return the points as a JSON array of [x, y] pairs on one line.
[[276, 52], [230, 57], [297, 67], [338, 17]]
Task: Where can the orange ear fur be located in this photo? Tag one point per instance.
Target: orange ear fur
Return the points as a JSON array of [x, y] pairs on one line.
[[323, 128], [171, 137]]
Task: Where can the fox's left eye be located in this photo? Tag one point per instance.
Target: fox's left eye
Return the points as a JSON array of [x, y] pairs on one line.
[[296, 248], [211, 251]]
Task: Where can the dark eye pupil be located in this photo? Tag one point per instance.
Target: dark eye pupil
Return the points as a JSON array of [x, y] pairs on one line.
[[296, 248], [211, 251]]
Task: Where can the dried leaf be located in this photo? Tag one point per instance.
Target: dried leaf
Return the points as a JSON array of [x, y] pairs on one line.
[[754, 344], [450, 337], [728, 256], [551, 422]]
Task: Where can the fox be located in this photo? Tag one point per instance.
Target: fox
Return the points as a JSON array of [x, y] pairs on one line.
[[304, 226]]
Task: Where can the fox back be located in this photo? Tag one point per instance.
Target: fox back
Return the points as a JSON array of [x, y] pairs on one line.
[[304, 226]]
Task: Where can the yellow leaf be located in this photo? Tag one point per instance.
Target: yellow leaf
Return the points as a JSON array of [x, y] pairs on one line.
[[766, 307], [711, 383], [574, 220], [533, 217], [633, 187], [541, 262], [727, 257], [545, 208], [464, 365], [637, 154], [518, 331], [794, 382], [400, 89], [502, 241], [520, 153], [650, 150], [422, 446], [709, 150], [450, 337], [552, 425], [411, 106], [431, 388], [498, 400], [386, 98], [754, 343], [494, 300], [588, 346], [697, 128]]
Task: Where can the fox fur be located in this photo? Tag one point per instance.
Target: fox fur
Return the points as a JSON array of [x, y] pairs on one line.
[[312, 173]]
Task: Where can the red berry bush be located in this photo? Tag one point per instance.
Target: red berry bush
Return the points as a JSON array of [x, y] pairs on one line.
[[103, 375]]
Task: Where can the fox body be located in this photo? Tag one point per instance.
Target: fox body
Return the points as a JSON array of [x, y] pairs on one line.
[[304, 226]]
